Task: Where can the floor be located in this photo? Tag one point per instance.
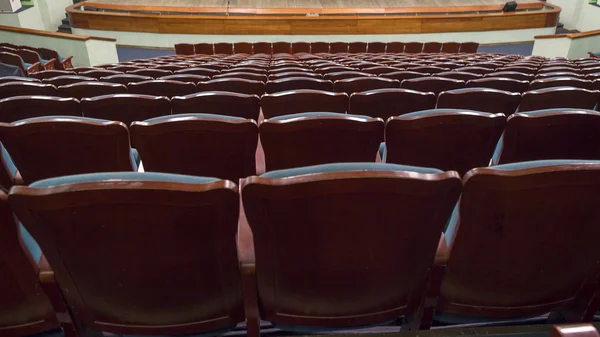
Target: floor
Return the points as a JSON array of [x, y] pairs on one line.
[[308, 3]]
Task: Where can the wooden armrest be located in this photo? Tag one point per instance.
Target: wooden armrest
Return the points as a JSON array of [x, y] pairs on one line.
[[34, 67], [443, 252], [53, 292], [245, 239], [18, 180], [432, 293]]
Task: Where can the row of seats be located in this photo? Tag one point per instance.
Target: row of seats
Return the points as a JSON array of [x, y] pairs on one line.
[[409, 241], [33, 59], [228, 148], [324, 47]]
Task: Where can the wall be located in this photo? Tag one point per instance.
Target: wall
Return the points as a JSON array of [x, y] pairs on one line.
[[571, 9], [28, 18], [589, 18], [52, 12], [169, 40], [555, 47]]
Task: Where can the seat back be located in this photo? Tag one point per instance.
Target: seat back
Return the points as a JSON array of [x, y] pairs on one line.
[[432, 47], [13, 60], [498, 83], [99, 73], [300, 47], [125, 108], [551, 134], [342, 75], [218, 102], [262, 48], [559, 97], [242, 75], [432, 84], [292, 210], [520, 224], [319, 138], [338, 47], [162, 88], [237, 85], [204, 48], [22, 107], [385, 103], [198, 71], [511, 74], [188, 223], [450, 47], [446, 139], [184, 78], [282, 47], [90, 89], [376, 47], [403, 75], [12, 89], [319, 47], [40, 75], [24, 309], [459, 75], [47, 147], [223, 48], [297, 83], [357, 47], [198, 144], [413, 47], [154, 73], [242, 48], [480, 99], [469, 47], [360, 84], [561, 82], [395, 47], [67, 79], [184, 49], [304, 100]]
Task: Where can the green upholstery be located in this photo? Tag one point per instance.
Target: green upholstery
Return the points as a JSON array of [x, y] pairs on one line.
[[135, 176], [316, 114], [346, 167], [167, 117]]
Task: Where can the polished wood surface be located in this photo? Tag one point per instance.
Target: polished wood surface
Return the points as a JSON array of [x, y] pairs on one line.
[[295, 21], [53, 34], [573, 36]]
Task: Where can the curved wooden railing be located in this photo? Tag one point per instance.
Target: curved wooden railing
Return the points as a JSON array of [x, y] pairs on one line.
[[572, 36], [53, 34], [308, 21]]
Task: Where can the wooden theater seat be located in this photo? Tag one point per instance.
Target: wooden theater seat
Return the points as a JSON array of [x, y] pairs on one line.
[[218, 102], [303, 100], [125, 108]]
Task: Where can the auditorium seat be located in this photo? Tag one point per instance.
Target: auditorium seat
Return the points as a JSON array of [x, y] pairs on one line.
[[40, 75], [204, 49], [319, 47], [102, 226], [121, 68], [197, 71], [242, 48], [475, 70], [295, 211], [357, 47], [154, 73], [17, 61], [379, 70], [22, 107], [520, 69], [218, 102], [395, 47], [262, 48], [242, 75], [223, 48], [480, 99], [550, 134], [342, 75], [432, 47], [446, 139], [90, 89], [237, 85], [184, 49], [469, 47], [360, 84], [246, 69], [314, 138], [338, 47], [385, 103], [8, 79], [12, 89], [169, 67], [67, 79], [125, 78], [295, 83], [97, 74], [508, 252], [450, 47], [560, 74], [403, 75], [561, 82], [198, 145], [304, 100], [24, 309], [560, 97], [376, 47], [61, 63], [506, 84], [511, 74], [459, 75], [162, 88], [432, 84], [184, 78], [300, 47], [326, 69], [282, 47], [413, 47], [47, 147], [125, 108]]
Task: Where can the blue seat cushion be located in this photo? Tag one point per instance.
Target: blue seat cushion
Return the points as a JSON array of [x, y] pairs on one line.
[[451, 225], [382, 152], [213, 333], [8, 162], [542, 163], [347, 167], [316, 329], [317, 114], [136, 176], [32, 246], [167, 117], [498, 150], [448, 318], [27, 65], [135, 158], [545, 111], [433, 112]]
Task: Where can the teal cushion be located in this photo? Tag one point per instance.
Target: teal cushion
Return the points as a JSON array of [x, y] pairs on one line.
[[135, 159], [542, 163], [498, 150], [545, 111], [32, 246], [317, 114], [431, 112], [451, 225], [98, 120], [166, 117], [137, 176], [8, 162], [316, 329], [382, 152], [346, 167], [448, 318]]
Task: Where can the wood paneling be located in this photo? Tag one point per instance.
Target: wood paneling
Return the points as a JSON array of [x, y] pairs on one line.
[[573, 36], [256, 24]]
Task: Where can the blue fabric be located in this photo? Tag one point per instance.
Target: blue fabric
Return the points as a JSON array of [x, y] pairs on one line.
[[64, 117], [346, 167], [542, 163], [448, 318], [135, 159], [166, 117], [32, 246], [27, 65], [431, 112], [61, 58], [52, 333], [315, 329], [10, 165], [382, 152], [452, 223], [498, 150], [545, 111], [317, 114], [136, 176]]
